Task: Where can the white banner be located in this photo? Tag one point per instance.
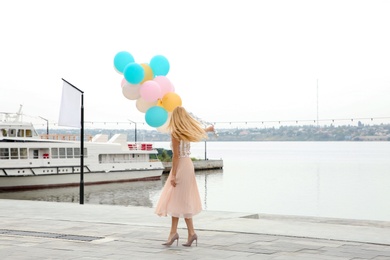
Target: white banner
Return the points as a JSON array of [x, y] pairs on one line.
[[70, 110]]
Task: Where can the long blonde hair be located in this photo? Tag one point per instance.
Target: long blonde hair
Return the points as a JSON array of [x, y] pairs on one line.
[[184, 127]]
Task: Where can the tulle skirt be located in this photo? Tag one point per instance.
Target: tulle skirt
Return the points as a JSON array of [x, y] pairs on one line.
[[184, 199]]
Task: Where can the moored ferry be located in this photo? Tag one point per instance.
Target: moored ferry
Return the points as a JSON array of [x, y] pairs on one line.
[[31, 161]]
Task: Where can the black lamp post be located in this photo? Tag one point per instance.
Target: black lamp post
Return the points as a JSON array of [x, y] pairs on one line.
[[47, 125], [135, 130]]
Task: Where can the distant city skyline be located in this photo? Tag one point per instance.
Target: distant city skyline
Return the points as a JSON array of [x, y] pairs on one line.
[[359, 132], [229, 125]]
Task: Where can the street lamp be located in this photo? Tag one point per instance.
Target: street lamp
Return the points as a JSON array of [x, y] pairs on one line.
[[47, 125], [135, 130]]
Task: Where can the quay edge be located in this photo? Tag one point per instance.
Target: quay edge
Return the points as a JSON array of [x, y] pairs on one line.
[[199, 165]]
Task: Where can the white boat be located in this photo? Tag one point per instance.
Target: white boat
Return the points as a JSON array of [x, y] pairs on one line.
[[31, 161]]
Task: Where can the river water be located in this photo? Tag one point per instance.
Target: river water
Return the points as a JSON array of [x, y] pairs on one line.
[[348, 180]]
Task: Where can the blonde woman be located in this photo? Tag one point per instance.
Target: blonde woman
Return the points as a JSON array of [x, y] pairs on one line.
[[180, 195]]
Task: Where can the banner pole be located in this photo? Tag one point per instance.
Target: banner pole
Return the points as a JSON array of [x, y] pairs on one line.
[[82, 151], [73, 124]]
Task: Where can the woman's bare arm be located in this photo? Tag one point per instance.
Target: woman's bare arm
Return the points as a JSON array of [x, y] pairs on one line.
[[175, 159]]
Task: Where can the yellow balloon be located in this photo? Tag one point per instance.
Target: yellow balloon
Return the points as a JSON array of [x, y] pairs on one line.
[[159, 103], [148, 72], [170, 101]]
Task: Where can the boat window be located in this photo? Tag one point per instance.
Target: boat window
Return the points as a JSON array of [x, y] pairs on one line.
[[14, 153], [28, 133], [12, 132], [20, 132], [4, 153], [4, 132], [114, 158], [69, 152], [54, 153], [23, 153], [36, 154], [62, 152], [77, 152]]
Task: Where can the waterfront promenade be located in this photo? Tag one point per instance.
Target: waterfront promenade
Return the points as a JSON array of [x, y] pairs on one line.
[[51, 230]]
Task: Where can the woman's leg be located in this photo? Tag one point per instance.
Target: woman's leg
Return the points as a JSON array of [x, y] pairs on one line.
[[175, 222], [190, 227], [191, 233], [173, 236]]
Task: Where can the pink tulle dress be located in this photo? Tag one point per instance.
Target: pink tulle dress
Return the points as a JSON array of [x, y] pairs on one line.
[[184, 199]]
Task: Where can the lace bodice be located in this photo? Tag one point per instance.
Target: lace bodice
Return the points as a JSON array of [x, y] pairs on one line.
[[184, 149]]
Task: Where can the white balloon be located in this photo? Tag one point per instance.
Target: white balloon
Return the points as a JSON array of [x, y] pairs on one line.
[[143, 105], [131, 91]]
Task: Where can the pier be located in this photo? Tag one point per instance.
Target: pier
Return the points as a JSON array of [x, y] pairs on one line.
[[53, 230], [199, 165]]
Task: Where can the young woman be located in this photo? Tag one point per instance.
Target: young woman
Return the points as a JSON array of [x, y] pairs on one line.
[[180, 195]]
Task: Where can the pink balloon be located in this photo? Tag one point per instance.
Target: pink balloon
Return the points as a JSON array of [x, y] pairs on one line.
[[165, 85], [150, 91]]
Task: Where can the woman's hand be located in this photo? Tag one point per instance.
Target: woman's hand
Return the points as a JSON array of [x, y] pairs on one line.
[[173, 180], [210, 129]]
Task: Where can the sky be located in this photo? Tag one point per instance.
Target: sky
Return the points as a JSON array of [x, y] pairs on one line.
[[230, 60]]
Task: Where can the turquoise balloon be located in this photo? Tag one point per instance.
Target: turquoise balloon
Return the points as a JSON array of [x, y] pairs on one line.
[[134, 73], [159, 65], [121, 60], [156, 116]]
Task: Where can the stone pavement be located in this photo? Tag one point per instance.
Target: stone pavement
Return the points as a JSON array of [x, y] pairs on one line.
[[52, 230]]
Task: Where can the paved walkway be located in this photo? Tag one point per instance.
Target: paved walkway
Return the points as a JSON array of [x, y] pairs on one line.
[[50, 230]]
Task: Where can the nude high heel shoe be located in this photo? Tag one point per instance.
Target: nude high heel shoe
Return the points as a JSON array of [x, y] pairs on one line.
[[170, 242], [192, 239]]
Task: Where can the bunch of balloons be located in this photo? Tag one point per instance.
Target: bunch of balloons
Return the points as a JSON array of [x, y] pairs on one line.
[[147, 84]]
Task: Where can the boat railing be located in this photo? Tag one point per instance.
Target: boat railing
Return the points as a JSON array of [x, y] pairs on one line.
[[65, 137], [140, 146], [124, 160]]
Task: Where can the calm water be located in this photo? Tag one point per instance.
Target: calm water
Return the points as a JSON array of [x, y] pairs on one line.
[[326, 179]]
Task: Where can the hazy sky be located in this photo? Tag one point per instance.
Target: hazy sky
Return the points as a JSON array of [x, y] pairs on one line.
[[229, 60]]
